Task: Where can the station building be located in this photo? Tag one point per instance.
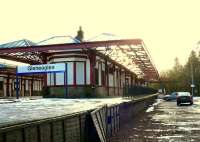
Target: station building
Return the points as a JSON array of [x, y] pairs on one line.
[[88, 74], [90, 71], [28, 85]]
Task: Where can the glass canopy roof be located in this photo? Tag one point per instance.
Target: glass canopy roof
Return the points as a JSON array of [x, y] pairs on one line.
[[132, 54]]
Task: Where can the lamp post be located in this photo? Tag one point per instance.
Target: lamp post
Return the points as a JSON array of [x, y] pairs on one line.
[[191, 69], [192, 77]]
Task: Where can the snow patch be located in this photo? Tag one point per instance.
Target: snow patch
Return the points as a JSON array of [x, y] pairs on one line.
[[169, 137], [34, 109], [151, 108], [189, 129]]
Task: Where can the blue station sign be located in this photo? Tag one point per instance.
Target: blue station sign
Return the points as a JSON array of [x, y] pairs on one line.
[[44, 68]]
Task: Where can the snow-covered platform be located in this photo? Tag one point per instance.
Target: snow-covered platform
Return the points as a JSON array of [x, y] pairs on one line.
[[13, 111]]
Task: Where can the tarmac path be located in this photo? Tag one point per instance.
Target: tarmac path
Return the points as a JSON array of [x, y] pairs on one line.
[[164, 122]]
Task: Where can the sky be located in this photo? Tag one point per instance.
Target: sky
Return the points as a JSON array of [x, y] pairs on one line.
[[169, 28]]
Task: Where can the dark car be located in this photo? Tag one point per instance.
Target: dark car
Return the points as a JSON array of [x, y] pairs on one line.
[[184, 97], [170, 97]]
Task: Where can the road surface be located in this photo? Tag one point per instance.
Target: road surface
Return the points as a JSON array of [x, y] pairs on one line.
[[163, 122]]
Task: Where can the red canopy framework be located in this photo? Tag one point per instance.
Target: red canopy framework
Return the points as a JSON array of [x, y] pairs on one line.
[[131, 53]]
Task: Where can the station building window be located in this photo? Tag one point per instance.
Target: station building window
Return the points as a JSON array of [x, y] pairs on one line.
[[116, 78], [100, 74], [80, 73], [76, 75], [14, 84], [35, 85], [38, 85], [122, 78], [60, 78], [1, 83], [111, 76], [26, 85], [96, 76], [103, 75], [50, 79], [70, 73]]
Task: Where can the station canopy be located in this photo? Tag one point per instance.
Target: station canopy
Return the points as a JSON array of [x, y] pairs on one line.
[[131, 53]]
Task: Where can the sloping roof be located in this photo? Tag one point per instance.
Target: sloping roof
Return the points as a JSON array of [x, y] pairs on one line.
[[104, 37], [58, 40], [18, 43]]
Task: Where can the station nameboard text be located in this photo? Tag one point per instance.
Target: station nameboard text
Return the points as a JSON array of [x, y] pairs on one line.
[[44, 68]]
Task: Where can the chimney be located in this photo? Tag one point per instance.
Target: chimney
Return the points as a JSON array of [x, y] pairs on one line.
[[80, 34]]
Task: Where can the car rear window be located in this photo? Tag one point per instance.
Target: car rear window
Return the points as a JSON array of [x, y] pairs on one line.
[[183, 94]]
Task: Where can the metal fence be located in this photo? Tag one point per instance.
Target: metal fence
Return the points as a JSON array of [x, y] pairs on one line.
[[137, 90], [71, 128]]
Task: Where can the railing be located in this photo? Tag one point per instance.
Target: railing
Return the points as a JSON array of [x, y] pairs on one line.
[[133, 91]]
